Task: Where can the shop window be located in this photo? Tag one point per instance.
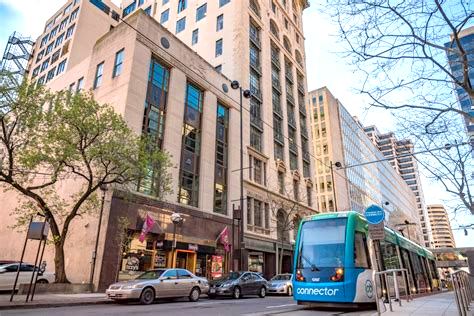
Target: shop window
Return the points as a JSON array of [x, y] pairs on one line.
[[220, 178]]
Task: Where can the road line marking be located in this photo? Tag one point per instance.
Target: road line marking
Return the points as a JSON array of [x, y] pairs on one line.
[[284, 305]]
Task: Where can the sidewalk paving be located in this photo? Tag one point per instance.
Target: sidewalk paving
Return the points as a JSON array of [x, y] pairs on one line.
[[52, 300], [442, 304]]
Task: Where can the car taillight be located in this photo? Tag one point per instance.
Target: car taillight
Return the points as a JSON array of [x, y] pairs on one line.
[[338, 276], [299, 276]]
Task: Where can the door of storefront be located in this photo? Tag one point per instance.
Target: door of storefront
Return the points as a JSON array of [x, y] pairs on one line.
[[186, 259]]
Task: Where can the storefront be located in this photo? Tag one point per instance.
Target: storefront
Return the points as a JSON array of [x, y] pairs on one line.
[[197, 248]]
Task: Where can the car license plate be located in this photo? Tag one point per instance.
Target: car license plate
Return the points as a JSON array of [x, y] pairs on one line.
[[212, 291]]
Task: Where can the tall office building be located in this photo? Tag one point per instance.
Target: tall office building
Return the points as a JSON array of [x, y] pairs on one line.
[[398, 153], [343, 180], [176, 86], [441, 227], [466, 37]]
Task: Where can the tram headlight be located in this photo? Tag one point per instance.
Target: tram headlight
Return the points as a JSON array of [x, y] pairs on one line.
[[338, 275], [299, 276]]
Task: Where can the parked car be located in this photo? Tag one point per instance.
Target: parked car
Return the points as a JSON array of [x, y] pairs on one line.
[[281, 284], [8, 274], [159, 283], [4, 262], [237, 284]]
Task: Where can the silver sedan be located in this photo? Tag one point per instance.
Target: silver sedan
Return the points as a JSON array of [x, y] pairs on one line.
[[281, 284], [159, 283]]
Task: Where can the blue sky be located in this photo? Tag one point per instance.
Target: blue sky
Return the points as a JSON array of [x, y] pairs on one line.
[[325, 67]]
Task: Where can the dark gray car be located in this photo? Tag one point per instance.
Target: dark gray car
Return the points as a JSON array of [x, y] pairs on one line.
[[237, 284]]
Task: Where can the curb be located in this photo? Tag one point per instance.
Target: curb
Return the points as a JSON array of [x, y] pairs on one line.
[[56, 304]]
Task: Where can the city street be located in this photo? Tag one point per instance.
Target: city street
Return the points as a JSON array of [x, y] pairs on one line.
[[246, 306]]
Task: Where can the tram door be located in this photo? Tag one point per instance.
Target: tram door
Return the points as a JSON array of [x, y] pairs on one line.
[[407, 265]]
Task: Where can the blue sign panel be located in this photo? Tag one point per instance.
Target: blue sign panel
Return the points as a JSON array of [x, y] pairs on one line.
[[374, 214]]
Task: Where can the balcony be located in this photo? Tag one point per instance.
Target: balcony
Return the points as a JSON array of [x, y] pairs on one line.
[[301, 87], [255, 39], [293, 147], [256, 122], [290, 98], [276, 85], [276, 60], [256, 93], [278, 137], [302, 109]]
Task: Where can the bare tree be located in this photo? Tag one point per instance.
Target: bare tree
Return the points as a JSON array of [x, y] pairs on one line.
[[286, 212], [401, 48]]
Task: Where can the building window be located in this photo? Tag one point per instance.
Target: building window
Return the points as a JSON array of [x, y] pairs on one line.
[[73, 15], [220, 186], [61, 67], [80, 84], [281, 182], [59, 40], [98, 75], [49, 49], [165, 16], [148, 10], [53, 33], [293, 161], [223, 2], [257, 213], [195, 36], [118, 63], [69, 31], [44, 41], [129, 9], [45, 64], [309, 195], [182, 5], [257, 170], [180, 25], [154, 117], [296, 190], [50, 74], [201, 12], [62, 25], [40, 81], [273, 7], [165, 2], [220, 22], [219, 47], [190, 153], [255, 138]]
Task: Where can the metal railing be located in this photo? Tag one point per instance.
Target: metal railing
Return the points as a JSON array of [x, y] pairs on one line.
[[386, 291], [462, 291]]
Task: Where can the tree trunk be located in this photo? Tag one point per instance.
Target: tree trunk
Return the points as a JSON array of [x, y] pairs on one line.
[[60, 269]]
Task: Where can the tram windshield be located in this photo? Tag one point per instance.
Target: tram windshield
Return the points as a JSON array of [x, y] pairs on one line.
[[322, 244]]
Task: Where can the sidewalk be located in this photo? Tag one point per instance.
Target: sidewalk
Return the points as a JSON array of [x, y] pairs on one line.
[[443, 304], [52, 300]]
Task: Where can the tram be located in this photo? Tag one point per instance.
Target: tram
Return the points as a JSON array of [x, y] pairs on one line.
[[334, 261]]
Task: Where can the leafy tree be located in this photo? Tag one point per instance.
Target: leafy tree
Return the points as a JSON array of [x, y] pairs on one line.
[[52, 142]]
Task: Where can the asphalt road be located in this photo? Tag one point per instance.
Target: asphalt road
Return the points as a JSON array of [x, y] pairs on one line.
[[271, 305]]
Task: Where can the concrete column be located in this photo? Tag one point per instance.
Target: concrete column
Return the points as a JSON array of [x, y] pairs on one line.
[[174, 125], [208, 153]]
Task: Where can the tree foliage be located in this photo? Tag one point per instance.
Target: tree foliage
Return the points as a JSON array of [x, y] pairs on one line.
[[57, 149]]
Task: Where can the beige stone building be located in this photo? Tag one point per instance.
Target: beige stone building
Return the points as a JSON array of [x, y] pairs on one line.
[[343, 180], [180, 97], [440, 227]]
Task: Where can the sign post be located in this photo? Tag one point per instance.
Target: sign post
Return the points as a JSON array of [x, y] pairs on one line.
[[375, 215]]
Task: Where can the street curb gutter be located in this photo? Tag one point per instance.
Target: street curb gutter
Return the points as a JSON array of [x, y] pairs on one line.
[[56, 304]]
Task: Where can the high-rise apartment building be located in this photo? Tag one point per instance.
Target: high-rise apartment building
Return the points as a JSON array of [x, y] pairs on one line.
[[466, 37], [399, 154], [343, 179], [440, 227], [148, 69]]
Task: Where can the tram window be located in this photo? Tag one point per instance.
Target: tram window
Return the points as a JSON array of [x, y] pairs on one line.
[[361, 256]]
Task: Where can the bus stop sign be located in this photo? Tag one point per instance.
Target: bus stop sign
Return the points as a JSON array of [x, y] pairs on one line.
[[374, 214]]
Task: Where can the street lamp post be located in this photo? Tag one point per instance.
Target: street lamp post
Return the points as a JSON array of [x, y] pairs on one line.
[[337, 164], [243, 93], [177, 219], [405, 225]]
